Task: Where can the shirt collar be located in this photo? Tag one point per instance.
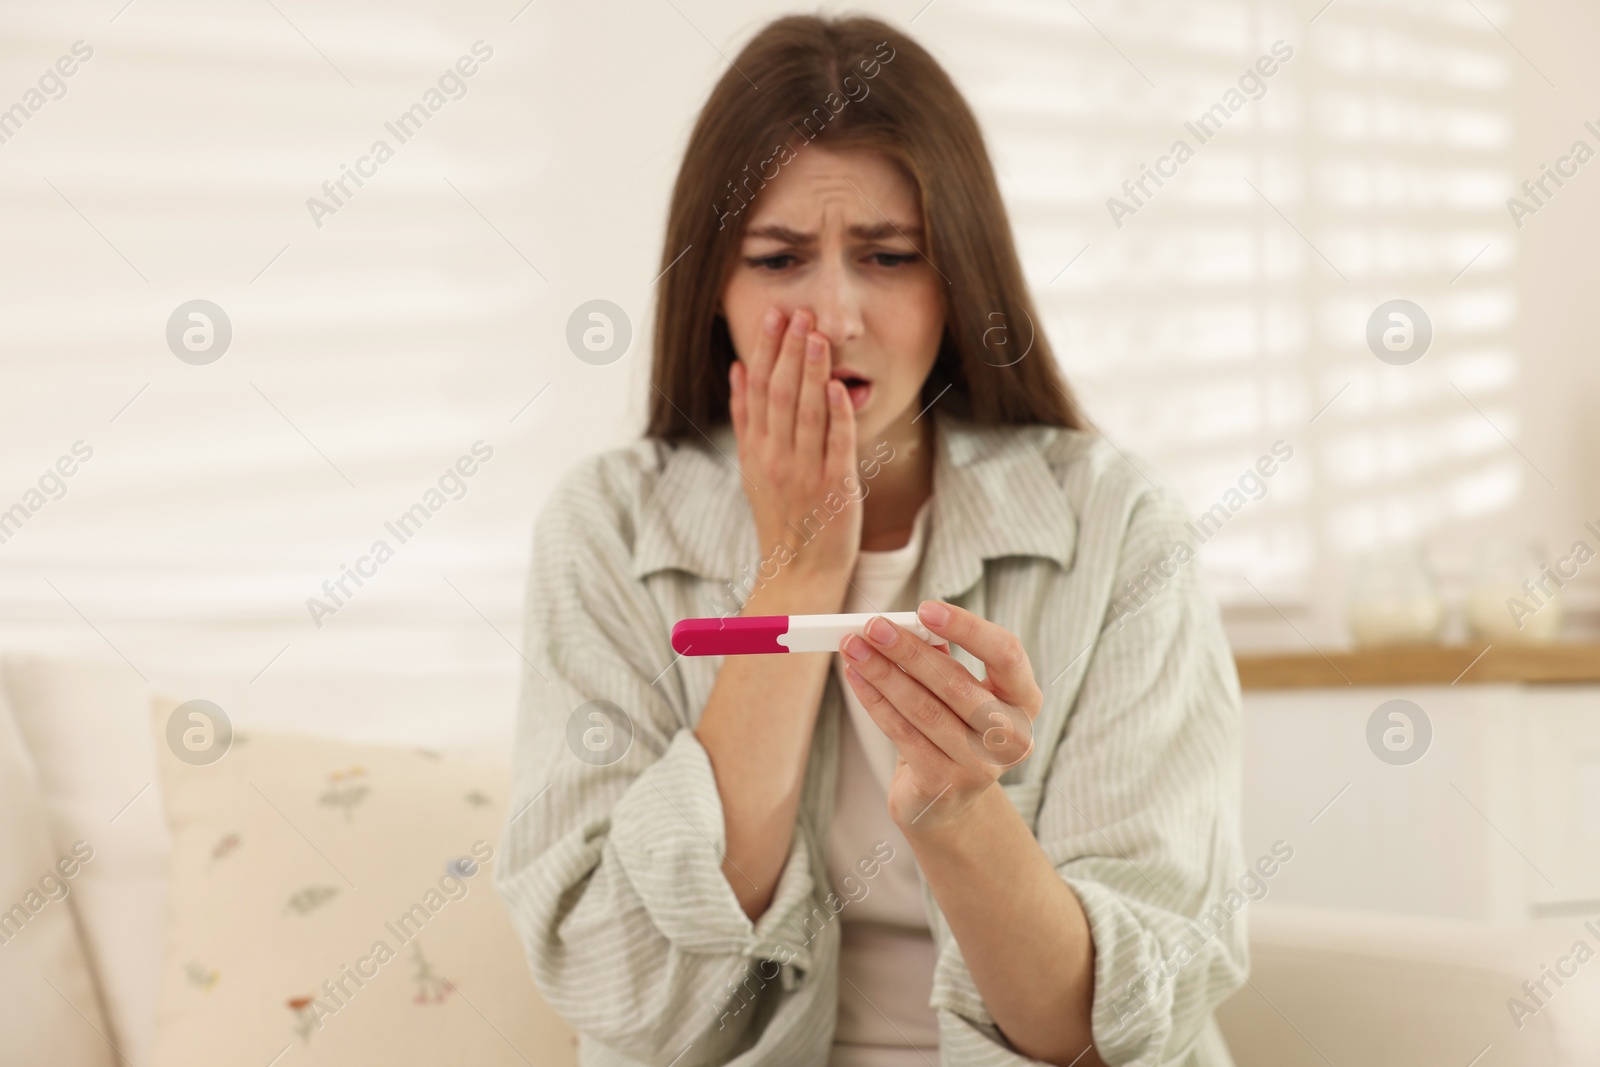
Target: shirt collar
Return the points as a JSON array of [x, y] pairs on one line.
[[994, 495]]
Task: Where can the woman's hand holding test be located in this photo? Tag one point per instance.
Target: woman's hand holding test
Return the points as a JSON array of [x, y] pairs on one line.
[[1023, 932], [954, 733]]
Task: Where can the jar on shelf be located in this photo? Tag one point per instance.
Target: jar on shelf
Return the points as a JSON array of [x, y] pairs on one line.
[[1512, 595], [1393, 599]]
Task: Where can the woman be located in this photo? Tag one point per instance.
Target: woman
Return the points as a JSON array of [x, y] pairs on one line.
[[1003, 846]]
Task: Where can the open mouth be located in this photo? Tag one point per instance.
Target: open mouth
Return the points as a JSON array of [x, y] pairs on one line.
[[858, 387]]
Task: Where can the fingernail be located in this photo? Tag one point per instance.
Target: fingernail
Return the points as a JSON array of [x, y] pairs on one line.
[[814, 349], [771, 321], [934, 613], [880, 630], [856, 648], [798, 324]]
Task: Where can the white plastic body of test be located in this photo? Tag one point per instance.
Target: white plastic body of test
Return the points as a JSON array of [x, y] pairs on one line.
[[822, 633]]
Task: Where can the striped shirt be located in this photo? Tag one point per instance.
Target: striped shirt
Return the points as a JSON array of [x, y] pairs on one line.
[[611, 862]]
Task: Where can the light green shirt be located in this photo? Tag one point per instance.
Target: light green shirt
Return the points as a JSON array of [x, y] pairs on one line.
[[612, 872]]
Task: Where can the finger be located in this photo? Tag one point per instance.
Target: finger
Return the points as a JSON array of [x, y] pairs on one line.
[[811, 415], [910, 743], [937, 721], [737, 410], [840, 460], [759, 369], [998, 734], [949, 681], [1007, 670], [784, 387]]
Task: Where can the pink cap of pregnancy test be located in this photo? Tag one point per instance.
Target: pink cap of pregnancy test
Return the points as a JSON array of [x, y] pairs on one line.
[[751, 635]]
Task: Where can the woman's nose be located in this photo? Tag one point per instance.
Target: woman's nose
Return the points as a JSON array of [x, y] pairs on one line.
[[836, 298]]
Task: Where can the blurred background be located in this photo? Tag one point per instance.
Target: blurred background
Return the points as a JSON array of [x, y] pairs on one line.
[[353, 344]]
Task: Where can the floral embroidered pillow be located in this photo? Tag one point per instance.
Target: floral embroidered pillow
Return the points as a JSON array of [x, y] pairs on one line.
[[331, 903]]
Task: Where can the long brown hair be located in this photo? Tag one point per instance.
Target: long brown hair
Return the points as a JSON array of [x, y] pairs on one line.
[[849, 83]]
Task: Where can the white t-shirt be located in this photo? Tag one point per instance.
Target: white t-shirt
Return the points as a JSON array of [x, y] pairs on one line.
[[886, 951]]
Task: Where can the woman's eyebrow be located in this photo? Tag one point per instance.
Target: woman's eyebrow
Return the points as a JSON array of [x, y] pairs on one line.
[[876, 232]]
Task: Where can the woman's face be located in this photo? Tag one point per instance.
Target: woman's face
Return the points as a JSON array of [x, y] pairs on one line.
[[836, 233]]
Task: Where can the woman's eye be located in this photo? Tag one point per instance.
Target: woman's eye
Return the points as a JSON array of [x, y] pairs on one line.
[[772, 263], [784, 260]]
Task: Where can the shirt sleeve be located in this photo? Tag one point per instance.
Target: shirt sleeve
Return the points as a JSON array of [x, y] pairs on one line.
[[1138, 812], [611, 864]]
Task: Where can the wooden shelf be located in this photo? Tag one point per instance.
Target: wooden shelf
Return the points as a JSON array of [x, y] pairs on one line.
[[1421, 665]]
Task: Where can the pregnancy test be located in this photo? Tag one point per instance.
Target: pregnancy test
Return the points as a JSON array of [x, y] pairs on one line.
[[759, 635]]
